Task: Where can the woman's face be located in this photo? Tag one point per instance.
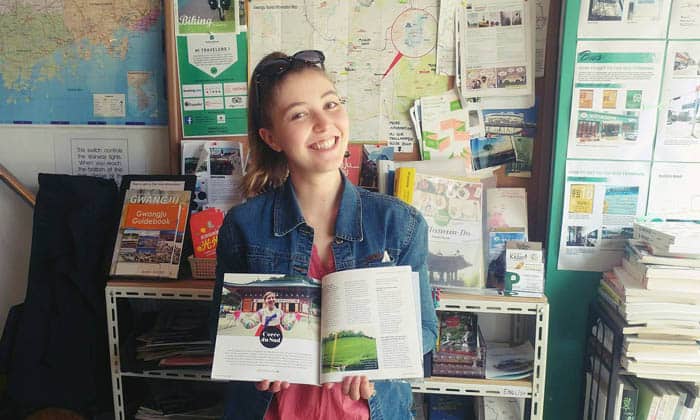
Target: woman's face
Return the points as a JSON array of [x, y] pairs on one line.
[[309, 124], [270, 301]]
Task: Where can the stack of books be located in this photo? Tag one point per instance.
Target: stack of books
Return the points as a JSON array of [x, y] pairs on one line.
[[656, 293], [461, 349]]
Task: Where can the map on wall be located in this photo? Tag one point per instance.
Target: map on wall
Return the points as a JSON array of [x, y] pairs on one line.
[[82, 62], [381, 55]]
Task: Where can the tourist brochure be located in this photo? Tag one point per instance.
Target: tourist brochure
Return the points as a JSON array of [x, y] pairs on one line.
[[275, 327]]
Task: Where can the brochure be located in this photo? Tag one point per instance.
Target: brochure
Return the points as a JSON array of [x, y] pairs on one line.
[[275, 327]]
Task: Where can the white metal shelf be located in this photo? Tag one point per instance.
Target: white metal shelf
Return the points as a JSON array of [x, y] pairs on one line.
[[202, 291], [537, 307], [473, 386], [191, 290], [174, 374]]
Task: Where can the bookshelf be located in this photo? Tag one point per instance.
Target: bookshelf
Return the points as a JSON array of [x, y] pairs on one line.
[[602, 363], [518, 307], [201, 290]]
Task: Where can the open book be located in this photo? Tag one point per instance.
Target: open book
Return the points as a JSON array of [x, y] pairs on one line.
[[275, 327]]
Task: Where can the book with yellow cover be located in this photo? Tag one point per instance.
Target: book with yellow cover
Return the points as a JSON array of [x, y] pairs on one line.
[[151, 233]]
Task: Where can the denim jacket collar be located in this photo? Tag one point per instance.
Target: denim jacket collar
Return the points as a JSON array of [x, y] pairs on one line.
[[287, 213]]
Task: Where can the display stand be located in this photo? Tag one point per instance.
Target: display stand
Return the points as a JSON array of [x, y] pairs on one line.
[[517, 306], [189, 290], [201, 290]]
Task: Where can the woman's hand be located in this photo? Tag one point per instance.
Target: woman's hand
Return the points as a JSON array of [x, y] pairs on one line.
[[275, 386], [355, 387]]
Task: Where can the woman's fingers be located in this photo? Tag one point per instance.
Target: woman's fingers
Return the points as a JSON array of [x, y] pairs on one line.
[[366, 388], [346, 385], [357, 387], [263, 385], [273, 387]]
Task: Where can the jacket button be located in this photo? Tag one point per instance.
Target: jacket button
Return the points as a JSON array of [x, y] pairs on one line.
[[338, 241]]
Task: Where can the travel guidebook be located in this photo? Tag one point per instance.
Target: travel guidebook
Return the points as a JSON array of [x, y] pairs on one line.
[[151, 233], [275, 327]]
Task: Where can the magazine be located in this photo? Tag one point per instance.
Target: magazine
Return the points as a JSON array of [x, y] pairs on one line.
[[151, 233], [274, 327]]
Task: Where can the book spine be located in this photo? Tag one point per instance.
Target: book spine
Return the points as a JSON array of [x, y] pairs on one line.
[[629, 404], [404, 181]]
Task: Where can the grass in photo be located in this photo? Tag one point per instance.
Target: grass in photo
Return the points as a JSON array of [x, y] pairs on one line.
[[349, 351]]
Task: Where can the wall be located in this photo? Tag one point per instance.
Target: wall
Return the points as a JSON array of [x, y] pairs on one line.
[[28, 151]]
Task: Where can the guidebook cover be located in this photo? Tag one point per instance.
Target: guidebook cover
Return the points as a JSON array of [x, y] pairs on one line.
[[151, 233], [453, 210], [275, 327]]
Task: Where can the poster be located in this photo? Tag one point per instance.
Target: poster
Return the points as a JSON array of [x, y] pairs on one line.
[[601, 200], [615, 99], [623, 18], [212, 69], [678, 136]]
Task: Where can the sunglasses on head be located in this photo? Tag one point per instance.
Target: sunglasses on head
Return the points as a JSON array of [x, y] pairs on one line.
[[278, 66]]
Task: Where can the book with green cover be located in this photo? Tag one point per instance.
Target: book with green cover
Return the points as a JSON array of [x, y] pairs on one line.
[[648, 399]]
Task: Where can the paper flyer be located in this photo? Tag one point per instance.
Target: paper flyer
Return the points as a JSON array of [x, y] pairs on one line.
[[678, 134], [685, 18], [601, 200], [674, 191], [615, 99], [623, 19]]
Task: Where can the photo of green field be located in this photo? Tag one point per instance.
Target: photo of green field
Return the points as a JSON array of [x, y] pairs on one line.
[[349, 351]]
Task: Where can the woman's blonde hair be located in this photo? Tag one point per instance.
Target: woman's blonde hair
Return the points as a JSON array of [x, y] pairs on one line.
[[266, 168]]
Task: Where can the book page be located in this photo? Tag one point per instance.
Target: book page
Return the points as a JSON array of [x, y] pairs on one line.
[[268, 328], [369, 325]]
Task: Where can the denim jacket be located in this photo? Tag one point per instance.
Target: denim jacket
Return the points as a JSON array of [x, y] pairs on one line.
[[268, 234]]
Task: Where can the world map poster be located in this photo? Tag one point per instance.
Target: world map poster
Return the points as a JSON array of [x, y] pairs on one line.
[[82, 62]]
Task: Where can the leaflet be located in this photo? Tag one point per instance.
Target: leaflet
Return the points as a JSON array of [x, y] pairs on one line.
[[497, 48], [678, 137], [674, 191], [685, 18], [445, 53], [614, 100], [219, 166], [623, 19], [601, 200]]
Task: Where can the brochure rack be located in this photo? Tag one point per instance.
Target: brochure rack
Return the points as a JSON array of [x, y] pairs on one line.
[[532, 388], [201, 290], [184, 290]]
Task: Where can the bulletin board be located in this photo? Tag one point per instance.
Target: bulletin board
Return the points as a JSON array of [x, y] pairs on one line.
[[537, 185]]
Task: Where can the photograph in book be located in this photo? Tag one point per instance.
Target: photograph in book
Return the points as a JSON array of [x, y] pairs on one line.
[[275, 327], [453, 211], [151, 233]]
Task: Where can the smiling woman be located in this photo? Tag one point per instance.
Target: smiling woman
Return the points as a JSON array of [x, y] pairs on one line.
[[304, 217]]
